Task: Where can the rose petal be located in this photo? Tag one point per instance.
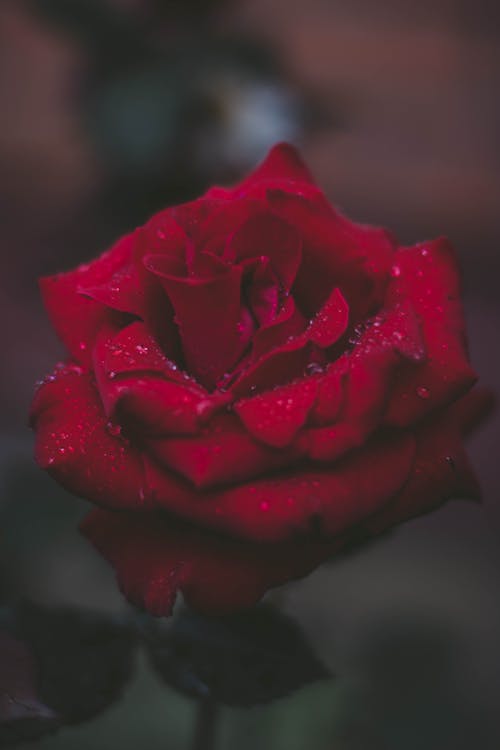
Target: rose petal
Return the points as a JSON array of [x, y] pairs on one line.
[[281, 350], [208, 313], [79, 448], [288, 324], [330, 393], [262, 292], [160, 401], [275, 417], [336, 253], [134, 349], [281, 365], [427, 276], [282, 163], [365, 379], [223, 453], [156, 557], [295, 501], [75, 317], [121, 292], [330, 323], [441, 469]]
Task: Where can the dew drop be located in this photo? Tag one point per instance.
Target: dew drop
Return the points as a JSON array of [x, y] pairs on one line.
[[82, 346], [161, 234], [395, 271], [314, 368], [112, 375], [140, 349], [423, 392]]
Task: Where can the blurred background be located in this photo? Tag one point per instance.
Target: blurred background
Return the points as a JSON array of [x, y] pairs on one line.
[[112, 109]]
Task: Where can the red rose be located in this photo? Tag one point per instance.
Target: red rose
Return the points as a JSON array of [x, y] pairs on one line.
[[256, 364]]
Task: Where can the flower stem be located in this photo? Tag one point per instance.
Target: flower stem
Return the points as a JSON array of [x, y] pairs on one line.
[[204, 732]]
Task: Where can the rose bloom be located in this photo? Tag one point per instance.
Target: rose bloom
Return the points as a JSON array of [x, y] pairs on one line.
[[253, 383]]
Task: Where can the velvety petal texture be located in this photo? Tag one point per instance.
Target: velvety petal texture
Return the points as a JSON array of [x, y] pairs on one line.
[[254, 382], [156, 556]]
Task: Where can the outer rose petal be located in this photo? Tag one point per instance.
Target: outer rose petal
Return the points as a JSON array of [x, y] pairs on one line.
[[359, 264], [78, 447], [155, 556], [75, 317], [427, 276], [296, 501], [441, 470], [282, 163]]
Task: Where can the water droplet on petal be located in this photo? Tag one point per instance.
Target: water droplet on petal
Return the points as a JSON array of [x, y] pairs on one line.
[[423, 392], [395, 271], [314, 368]]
